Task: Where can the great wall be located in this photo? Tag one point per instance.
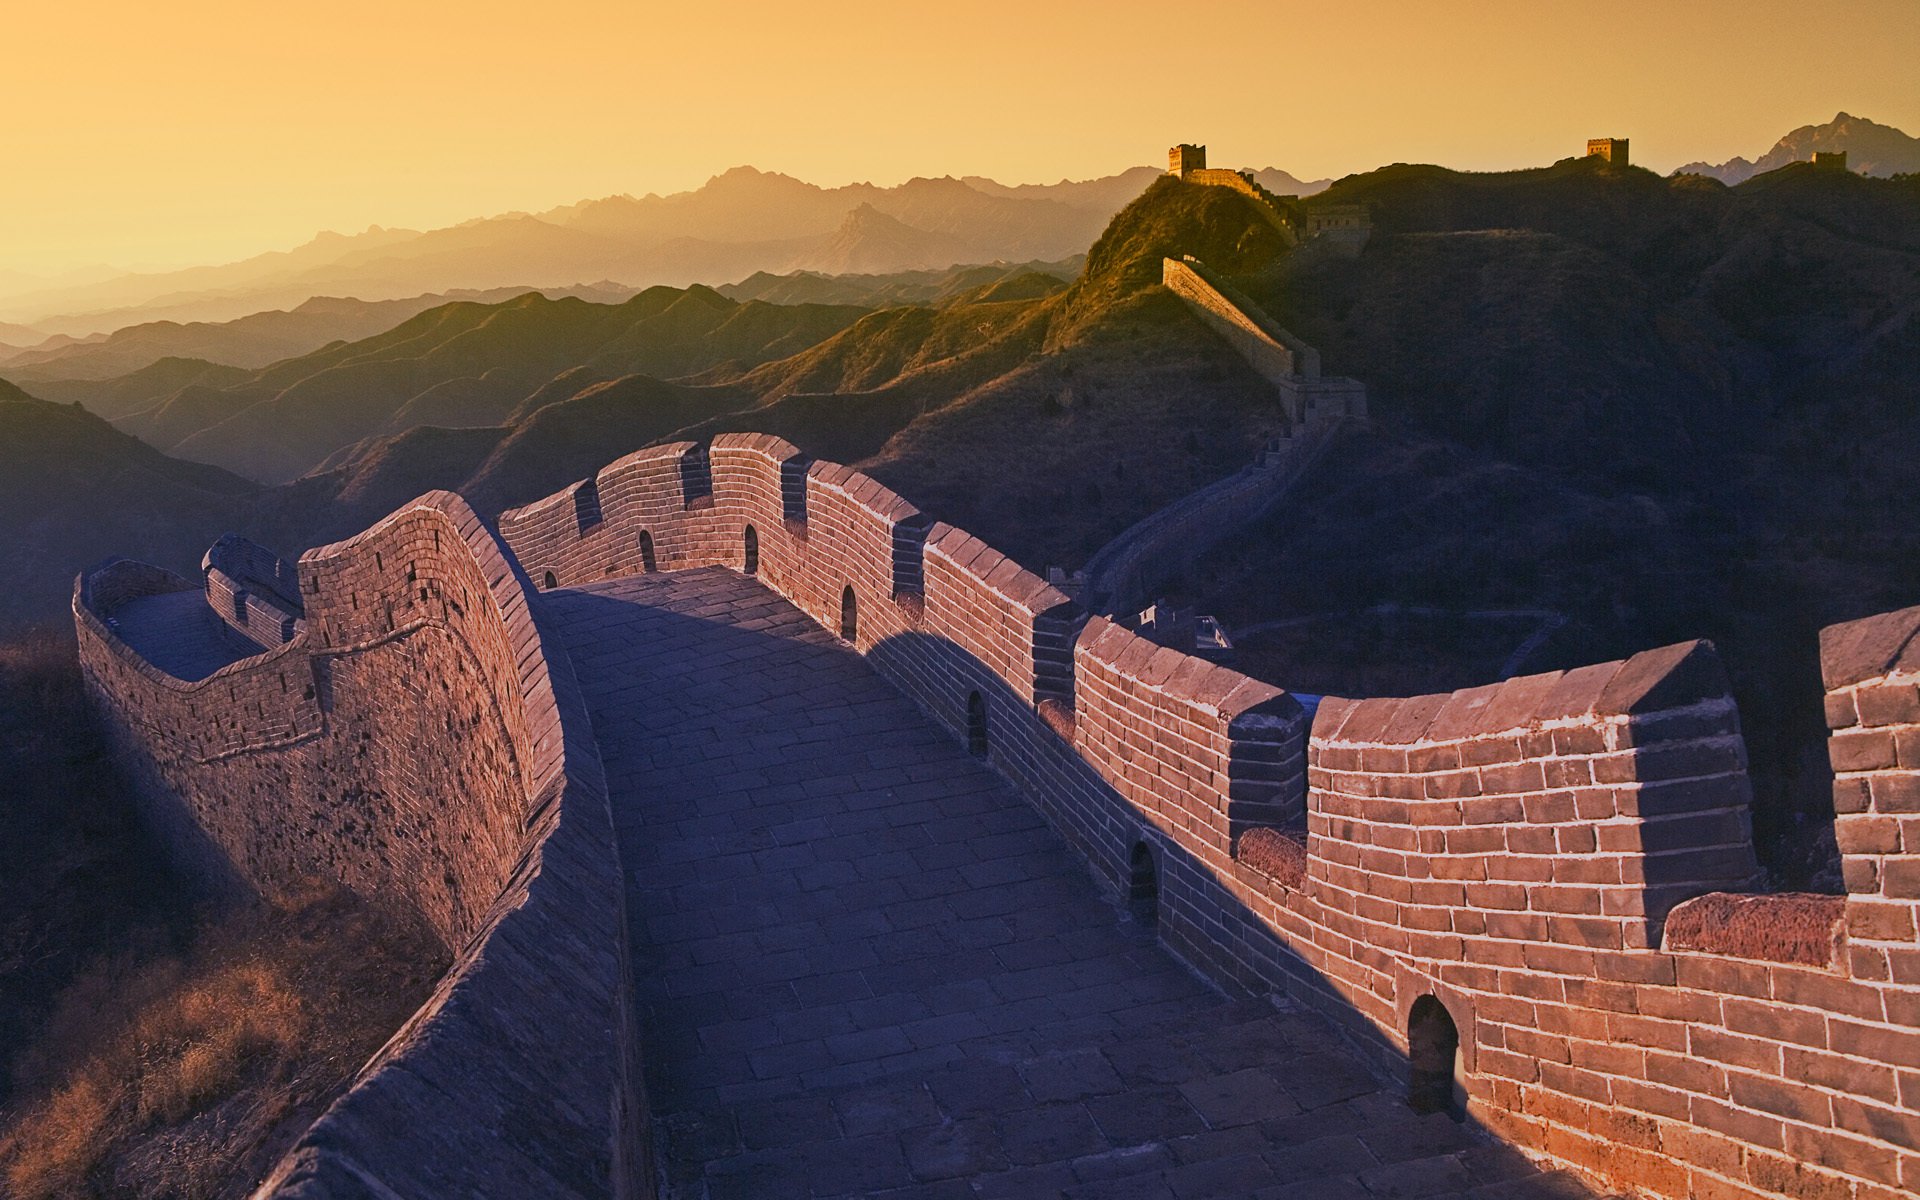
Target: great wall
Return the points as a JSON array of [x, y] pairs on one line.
[[1531, 904]]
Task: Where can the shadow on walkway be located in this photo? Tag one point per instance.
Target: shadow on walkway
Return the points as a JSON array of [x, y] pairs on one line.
[[868, 968]]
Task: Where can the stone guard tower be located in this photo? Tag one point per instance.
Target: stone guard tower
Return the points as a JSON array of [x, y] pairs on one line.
[[1830, 160], [1185, 158], [1614, 150]]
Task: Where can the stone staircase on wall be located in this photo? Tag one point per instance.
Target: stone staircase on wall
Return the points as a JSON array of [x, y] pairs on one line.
[[1124, 574]]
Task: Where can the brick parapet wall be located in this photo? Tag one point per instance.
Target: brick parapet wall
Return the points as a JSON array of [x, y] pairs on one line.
[[418, 742], [1512, 851], [253, 590], [1548, 808], [266, 702], [1872, 670], [1203, 752], [1270, 350]]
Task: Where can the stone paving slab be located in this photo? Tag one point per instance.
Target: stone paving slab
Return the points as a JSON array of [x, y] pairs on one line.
[[867, 967], [178, 633]]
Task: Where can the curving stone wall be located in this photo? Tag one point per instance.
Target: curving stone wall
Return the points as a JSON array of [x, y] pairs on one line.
[[1549, 869], [1270, 350], [414, 740], [1123, 575], [1544, 866], [1292, 366]]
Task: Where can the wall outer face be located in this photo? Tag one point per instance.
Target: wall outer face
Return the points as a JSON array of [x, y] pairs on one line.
[[1512, 851], [415, 743], [1872, 670], [1272, 353]]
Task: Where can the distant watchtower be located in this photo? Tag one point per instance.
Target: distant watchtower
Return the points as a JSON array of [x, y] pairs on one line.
[[1184, 158], [1830, 160], [1614, 150]]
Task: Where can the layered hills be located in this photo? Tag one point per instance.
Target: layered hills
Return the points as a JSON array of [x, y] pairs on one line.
[[739, 222], [74, 490], [1647, 408], [461, 364], [251, 341]]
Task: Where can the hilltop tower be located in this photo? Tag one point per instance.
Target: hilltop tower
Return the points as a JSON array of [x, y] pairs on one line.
[[1830, 160], [1614, 150], [1186, 158]]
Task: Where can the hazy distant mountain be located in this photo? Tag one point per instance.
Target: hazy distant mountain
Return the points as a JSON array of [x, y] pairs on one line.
[[871, 242], [892, 288], [34, 342], [739, 222], [1280, 183], [252, 341], [1872, 149]]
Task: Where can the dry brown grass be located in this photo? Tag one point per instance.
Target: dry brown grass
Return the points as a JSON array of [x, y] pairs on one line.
[[156, 1049], [186, 1075], [167, 1052]]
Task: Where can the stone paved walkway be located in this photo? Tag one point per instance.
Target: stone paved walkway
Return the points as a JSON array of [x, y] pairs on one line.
[[178, 633], [868, 969]]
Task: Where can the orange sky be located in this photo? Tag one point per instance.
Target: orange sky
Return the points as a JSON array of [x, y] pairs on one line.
[[148, 134]]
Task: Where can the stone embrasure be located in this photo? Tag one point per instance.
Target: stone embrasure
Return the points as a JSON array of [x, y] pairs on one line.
[[866, 964], [867, 953]]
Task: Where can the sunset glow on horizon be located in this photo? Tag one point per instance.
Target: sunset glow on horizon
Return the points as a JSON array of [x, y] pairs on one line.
[[160, 136]]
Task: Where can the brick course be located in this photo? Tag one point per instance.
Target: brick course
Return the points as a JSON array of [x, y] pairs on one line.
[[415, 740], [1513, 850]]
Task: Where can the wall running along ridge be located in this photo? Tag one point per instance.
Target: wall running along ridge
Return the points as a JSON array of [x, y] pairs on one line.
[[1283, 215], [1289, 364], [1554, 860], [412, 738], [1123, 575]]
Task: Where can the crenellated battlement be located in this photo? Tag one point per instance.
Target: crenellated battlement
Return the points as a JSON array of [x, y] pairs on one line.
[[1551, 871], [414, 739], [1512, 852]]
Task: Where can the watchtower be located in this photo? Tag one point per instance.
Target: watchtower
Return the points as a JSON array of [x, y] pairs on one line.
[[1185, 158], [1614, 150], [1830, 160]]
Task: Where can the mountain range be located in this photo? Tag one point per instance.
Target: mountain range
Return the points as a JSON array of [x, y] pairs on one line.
[[1659, 408], [455, 365], [741, 221], [251, 341], [1872, 149]]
